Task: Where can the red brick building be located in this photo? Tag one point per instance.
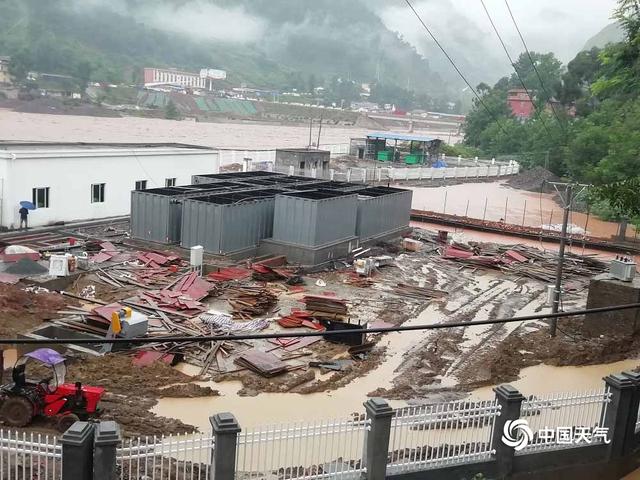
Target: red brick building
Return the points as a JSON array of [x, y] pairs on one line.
[[521, 103]]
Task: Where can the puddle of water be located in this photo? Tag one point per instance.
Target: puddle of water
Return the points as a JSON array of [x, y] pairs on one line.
[[287, 407], [542, 379]]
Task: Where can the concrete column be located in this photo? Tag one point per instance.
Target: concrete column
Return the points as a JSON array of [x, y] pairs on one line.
[[629, 442], [225, 431], [107, 439], [348, 175], [510, 400], [77, 452], [292, 170], [314, 172], [619, 417], [376, 449], [332, 174], [466, 172]]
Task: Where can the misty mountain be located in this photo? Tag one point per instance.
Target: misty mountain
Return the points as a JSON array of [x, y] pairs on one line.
[[612, 33]]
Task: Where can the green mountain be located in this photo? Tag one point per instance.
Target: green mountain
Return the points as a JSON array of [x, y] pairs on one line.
[[265, 43]]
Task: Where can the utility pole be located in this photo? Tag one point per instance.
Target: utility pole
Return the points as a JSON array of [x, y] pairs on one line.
[[568, 199], [319, 132], [310, 130]]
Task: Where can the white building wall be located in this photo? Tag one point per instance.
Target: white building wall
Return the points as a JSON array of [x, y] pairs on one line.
[[70, 173]]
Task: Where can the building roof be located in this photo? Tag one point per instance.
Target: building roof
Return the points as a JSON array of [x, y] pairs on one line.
[[20, 144], [405, 137]]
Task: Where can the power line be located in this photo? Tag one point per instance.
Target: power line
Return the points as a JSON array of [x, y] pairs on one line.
[[260, 336], [535, 69], [504, 47], [495, 118]]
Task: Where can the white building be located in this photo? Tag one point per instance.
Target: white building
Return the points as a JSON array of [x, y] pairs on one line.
[[84, 181]]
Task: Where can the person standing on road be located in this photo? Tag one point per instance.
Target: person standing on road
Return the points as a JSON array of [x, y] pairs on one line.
[[24, 215]]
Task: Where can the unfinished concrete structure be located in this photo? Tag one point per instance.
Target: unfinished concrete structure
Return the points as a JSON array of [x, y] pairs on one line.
[[307, 161], [605, 291]]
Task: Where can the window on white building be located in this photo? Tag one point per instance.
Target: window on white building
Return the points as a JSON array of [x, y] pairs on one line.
[[141, 185], [97, 193], [170, 182], [40, 197]]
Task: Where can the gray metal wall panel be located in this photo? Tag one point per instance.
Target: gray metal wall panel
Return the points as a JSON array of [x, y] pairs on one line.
[[201, 225], [150, 217], [378, 215], [226, 228], [245, 224], [312, 222]]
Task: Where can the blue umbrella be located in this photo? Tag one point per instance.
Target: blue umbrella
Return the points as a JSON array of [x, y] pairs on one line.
[[28, 205]]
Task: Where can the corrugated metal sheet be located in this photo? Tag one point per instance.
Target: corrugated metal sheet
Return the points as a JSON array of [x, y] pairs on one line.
[[154, 217], [226, 228], [314, 222], [382, 214]]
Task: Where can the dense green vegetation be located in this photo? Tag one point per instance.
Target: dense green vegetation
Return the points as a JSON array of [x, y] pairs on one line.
[[601, 144], [301, 45]]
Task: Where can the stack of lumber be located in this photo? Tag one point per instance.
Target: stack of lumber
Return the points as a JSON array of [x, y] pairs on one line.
[[322, 306], [248, 302], [419, 293]]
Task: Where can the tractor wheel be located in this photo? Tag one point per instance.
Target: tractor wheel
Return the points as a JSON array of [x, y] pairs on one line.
[[65, 421], [17, 411]]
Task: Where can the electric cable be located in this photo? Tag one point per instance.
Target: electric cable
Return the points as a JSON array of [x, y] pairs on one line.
[[535, 69], [473, 90], [506, 51]]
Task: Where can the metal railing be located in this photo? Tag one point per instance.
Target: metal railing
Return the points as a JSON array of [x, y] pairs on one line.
[[559, 420], [443, 434], [29, 456], [383, 174], [170, 457], [332, 448]]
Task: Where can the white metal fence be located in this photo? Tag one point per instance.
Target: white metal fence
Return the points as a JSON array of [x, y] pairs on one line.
[[332, 448], [383, 174], [29, 456], [443, 434], [563, 420], [170, 457]]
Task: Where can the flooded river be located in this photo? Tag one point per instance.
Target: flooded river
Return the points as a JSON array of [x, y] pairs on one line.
[[249, 135], [495, 201]]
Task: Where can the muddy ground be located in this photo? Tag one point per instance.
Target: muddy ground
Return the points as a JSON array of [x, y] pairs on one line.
[[445, 363]]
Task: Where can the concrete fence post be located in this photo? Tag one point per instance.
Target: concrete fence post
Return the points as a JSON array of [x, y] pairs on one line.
[[77, 452], [332, 174], [348, 175], [619, 417], [107, 439], [629, 443], [225, 432], [376, 449], [510, 401]]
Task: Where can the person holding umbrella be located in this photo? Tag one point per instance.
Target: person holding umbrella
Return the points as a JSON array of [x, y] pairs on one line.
[[25, 206]]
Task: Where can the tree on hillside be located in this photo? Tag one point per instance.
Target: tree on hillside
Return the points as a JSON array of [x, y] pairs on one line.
[[171, 111]]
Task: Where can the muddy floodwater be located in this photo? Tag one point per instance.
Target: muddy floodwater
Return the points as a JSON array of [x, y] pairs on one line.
[[249, 135], [495, 201]]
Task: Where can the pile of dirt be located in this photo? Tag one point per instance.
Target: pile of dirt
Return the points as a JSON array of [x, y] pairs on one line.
[[21, 310], [533, 179], [25, 267], [133, 391], [568, 348]]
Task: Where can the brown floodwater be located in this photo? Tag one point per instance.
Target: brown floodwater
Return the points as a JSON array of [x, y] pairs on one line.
[[496, 201]]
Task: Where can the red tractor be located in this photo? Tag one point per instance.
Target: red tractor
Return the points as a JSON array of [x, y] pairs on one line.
[[38, 388]]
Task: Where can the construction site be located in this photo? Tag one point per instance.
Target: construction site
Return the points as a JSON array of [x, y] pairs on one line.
[[245, 253]]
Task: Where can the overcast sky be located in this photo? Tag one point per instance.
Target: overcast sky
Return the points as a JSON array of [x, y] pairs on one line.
[[559, 26]]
